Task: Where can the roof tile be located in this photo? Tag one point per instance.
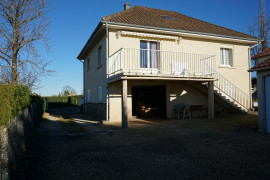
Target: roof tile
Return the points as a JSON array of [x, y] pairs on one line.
[[265, 52], [263, 64], [145, 16]]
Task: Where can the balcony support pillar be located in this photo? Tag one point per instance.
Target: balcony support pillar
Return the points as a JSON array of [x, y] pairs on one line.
[[124, 104], [211, 102]]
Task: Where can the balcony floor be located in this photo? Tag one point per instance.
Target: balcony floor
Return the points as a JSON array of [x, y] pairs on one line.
[[149, 76]]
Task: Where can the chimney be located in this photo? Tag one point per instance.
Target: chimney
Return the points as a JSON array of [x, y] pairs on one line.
[[126, 6]]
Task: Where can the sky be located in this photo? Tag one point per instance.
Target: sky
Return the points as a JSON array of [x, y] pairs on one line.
[[73, 21]]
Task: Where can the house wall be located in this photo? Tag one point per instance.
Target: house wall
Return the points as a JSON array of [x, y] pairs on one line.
[[176, 92], [237, 74], [261, 99], [94, 78]]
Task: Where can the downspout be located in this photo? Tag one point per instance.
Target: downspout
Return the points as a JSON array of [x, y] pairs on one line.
[[250, 83], [107, 67], [84, 108]]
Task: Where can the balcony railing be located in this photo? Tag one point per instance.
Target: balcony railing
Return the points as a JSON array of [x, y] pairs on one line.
[[160, 63]]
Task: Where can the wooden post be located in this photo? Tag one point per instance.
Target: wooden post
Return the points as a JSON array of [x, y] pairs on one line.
[[211, 108], [124, 104]]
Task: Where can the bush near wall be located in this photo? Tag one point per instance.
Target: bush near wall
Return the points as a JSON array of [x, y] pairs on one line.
[[12, 100], [67, 101]]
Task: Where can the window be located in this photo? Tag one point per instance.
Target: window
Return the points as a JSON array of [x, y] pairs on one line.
[[88, 95], [226, 57], [87, 64], [99, 55], [167, 17], [149, 54], [100, 94]]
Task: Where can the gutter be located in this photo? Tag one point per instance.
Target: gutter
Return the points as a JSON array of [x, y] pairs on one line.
[[181, 31], [250, 83], [107, 76], [97, 29], [259, 69]]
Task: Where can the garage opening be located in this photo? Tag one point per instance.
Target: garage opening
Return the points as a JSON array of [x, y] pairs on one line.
[[149, 101]]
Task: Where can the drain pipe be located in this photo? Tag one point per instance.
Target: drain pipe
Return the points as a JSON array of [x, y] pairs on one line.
[[82, 61], [250, 83], [107, 76]]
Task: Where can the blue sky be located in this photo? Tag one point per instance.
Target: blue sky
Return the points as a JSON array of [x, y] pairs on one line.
[[73, 21]]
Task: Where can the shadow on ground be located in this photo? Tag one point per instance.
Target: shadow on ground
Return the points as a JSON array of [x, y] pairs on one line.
[[228, 147]]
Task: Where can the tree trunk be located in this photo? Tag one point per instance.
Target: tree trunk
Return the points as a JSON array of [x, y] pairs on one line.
[[14, 76]]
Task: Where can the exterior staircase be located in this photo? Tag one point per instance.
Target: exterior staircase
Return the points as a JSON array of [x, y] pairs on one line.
[[227, 94]]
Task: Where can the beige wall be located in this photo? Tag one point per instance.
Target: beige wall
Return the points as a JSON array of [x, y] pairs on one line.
[[237, 74], [176, 92], [95, 76]]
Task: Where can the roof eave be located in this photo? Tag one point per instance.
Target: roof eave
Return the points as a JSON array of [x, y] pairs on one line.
[[254, 41], [259, 69], [80, 56]]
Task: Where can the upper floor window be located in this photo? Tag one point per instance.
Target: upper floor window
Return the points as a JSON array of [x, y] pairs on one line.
[[87, 64], [225, 57], [149, 54], [99, 55], [88, 95], [100, 94]]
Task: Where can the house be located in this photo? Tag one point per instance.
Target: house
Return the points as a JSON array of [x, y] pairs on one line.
[[263, 85], [144, 61]]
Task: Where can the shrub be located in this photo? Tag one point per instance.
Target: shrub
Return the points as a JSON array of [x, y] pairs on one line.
[[42, 100], [66, 101], [12, 100]]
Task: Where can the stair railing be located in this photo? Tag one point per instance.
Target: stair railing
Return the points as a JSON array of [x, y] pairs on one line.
[[230, 90]]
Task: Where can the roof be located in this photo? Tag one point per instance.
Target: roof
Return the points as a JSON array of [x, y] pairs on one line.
[[265, 52], [261, 66], [145, 16]]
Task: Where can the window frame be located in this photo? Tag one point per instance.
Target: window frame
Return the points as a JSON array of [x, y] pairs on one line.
[[99, 94], [148, 49], [99, 59], [222, 58], [88, 95], [87, 64]]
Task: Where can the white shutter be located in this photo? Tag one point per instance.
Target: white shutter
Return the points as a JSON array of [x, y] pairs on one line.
[[88, 96], [100, 94]]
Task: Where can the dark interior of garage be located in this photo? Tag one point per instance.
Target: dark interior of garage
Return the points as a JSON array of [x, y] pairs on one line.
[[149, 101]]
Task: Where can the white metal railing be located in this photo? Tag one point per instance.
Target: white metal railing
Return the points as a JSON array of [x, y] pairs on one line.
[[128, 60], [231, 91]]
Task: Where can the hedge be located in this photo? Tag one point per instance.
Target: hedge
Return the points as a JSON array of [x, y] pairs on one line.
[[12, 100], [66, 101]]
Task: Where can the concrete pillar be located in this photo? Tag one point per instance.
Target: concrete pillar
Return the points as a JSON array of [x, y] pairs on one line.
[[124, 104], [211, 108]]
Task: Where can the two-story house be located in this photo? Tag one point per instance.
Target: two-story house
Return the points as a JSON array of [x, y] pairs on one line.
[[144, 61]]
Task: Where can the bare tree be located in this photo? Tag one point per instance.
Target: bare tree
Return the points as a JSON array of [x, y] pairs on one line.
[[68, 90], [23, 33], [260, 27]]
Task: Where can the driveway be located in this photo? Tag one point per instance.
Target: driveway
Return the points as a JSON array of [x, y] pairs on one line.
[[79, 147]]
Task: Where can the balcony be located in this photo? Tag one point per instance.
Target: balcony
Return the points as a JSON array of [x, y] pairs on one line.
[[145, 63]]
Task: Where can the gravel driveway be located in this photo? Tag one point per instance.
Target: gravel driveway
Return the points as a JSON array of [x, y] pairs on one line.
[[81, 148]]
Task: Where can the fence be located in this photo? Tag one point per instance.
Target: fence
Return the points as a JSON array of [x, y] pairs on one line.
[[16, 138]]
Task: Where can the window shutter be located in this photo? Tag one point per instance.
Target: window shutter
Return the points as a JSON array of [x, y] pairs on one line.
[[88, 96], [100, 94]]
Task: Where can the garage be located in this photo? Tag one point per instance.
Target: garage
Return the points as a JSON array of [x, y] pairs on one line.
[[149, 101]]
